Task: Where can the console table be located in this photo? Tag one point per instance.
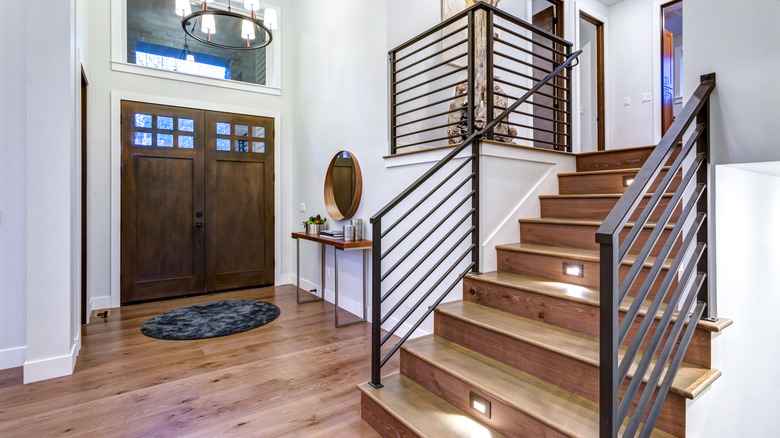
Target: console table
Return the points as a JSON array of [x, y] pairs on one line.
[[338, 245]]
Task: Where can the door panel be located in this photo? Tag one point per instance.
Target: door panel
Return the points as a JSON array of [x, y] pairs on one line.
[[162, 252], [239, 201]]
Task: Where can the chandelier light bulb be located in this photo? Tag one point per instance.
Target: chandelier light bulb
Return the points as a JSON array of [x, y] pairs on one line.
[[251, 5], [269, 19], [248, 30], [208, 24], [183, 8]]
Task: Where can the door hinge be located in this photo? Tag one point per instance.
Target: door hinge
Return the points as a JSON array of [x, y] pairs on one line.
[[555, 20]]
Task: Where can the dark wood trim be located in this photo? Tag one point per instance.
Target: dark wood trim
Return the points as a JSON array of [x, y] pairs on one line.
[[84, 194], [338, 243], [600, 83]]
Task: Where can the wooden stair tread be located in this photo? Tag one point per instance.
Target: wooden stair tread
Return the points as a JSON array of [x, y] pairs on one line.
[[597, 196], [584, 222], [606, 172], [569, 413], [609, 151], [580, 294], [589, 255], [422, 411], [689, 381]]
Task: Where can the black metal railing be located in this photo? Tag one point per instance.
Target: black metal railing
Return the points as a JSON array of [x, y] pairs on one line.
[[488, 57], [683, 188], [427, 238]]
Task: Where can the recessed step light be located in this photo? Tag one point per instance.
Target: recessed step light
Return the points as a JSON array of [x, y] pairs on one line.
[[479, 404], [627, 180], [573, 269]]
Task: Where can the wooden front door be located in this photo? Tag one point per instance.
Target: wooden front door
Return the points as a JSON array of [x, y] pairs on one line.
[[197, 206], [239, 201]]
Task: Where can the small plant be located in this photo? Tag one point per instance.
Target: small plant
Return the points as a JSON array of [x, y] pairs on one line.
[[315, 220]]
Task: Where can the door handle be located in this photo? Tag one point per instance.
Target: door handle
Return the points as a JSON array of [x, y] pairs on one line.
[[198, 225]]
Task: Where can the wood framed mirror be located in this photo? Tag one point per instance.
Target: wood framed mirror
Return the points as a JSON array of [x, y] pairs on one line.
[[343, 186]]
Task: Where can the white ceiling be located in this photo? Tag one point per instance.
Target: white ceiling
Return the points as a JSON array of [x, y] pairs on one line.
[[610, 2]]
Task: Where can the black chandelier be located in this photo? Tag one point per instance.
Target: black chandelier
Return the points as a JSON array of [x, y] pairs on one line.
[[208, 25]]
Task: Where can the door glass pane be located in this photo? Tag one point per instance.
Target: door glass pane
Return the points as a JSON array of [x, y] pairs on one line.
[[143, 138], [242, 146], [258, 131], [165, 140], [164, 122], [223, 128], [258, 147], [242, 130], [143, 121], [223, 144], [187, 125], [186, 141]]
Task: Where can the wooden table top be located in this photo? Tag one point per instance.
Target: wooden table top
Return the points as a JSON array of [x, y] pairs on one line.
[[338, 243]]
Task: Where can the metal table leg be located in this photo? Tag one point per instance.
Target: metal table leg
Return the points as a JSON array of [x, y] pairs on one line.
[[298, 274], [336, 289]]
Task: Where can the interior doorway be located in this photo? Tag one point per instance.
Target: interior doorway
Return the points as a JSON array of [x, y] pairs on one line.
[[671, 34], [197, 208], [549, 103], [592, 118]]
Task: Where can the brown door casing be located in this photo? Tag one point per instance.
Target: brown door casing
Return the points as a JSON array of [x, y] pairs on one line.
[[195, 219], [600, 85], [667, 78], [548, 133]]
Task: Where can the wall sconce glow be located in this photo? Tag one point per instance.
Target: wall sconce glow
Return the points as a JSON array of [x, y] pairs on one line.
[[479, 404], [627, 181], [270, 19], [208, 25], [248, 30], [183, 8], [573, 270]]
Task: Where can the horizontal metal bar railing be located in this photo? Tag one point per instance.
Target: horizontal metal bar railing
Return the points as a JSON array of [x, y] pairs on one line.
[[690, 230], [404, 281]]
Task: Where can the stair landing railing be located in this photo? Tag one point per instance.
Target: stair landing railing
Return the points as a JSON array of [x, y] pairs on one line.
[[427, 238], [689, 301]]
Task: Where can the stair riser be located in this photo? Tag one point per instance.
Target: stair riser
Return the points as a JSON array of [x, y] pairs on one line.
[[597, 208], [622, 159], [606, 183], [568, 373], [583, 236], [571, 315], [504, 419], [385, 424], [551, 268]]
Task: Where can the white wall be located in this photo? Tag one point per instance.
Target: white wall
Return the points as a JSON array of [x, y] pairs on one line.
[[108, 85], [630, 49], [744, 401], [13, 188]]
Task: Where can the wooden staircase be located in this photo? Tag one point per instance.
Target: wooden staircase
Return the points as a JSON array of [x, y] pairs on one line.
[[525, 338]]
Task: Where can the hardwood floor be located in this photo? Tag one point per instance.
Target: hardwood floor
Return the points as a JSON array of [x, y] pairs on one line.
[[293, 377]]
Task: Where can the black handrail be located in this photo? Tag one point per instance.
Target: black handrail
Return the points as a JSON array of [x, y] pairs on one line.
[[377, 361], [692, 290]]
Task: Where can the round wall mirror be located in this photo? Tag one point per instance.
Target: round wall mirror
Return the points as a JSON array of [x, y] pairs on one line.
[[343, 186]]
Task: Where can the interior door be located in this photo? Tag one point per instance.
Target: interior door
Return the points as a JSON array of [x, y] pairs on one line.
[[667, 75], [162, 245], [239, 201], [547, 104]]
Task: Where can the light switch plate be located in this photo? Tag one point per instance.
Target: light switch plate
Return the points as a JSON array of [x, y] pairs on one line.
[[646, 97], [626, 101], [302, 206]]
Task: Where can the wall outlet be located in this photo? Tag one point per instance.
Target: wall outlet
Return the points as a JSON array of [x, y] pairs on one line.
[[646, 97], [328, 272], [302, 207], [626, 101]]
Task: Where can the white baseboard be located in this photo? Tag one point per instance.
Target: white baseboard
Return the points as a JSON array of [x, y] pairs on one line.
[[13, 357], [35, 371], [97, 303]]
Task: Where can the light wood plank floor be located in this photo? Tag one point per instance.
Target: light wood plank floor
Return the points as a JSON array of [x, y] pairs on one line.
[[293, 377]]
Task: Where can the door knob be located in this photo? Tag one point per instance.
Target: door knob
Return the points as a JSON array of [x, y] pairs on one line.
[[198, 214], [198, 224]]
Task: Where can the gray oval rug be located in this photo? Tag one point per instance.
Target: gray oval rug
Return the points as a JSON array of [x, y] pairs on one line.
[[210, 320]]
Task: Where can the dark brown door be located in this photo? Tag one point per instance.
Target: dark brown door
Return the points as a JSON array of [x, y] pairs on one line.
[[162, 244], [548, 103], [239, 201], [667, 76], [197, 201]]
